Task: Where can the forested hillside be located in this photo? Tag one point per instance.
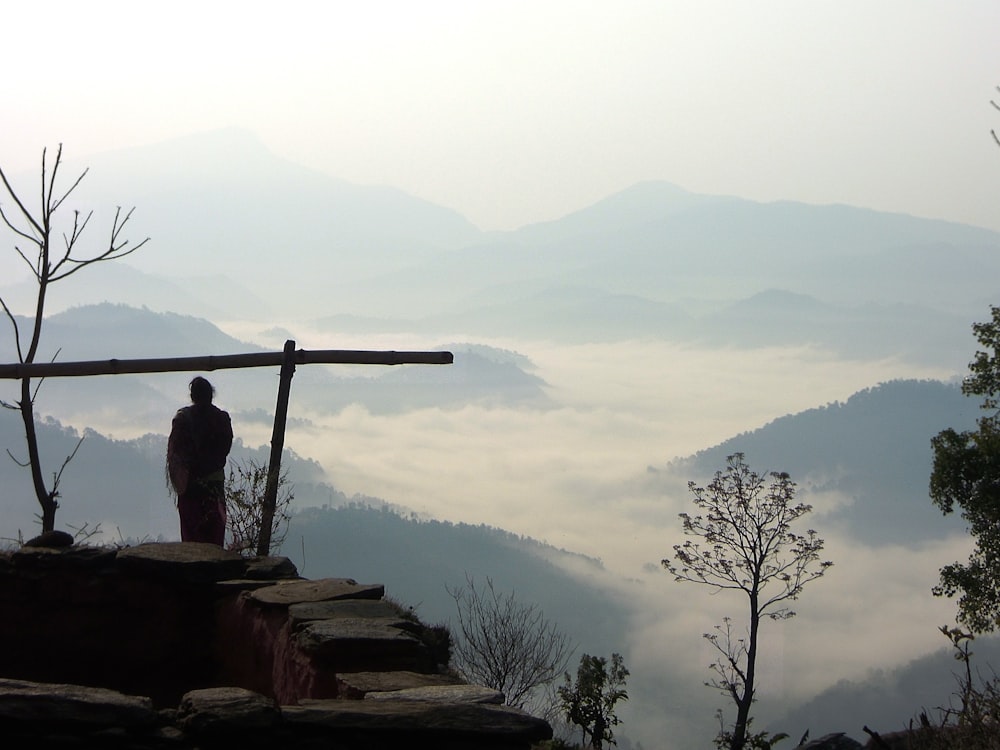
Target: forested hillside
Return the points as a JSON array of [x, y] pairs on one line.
[[864, 463]]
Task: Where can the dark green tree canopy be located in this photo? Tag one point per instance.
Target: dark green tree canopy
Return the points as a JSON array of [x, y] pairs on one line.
[[590, 701], [966, 474]]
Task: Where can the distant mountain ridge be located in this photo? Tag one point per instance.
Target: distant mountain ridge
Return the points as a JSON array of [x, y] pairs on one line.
[[296, 243], [893, 698], [236, 200], [872, 451], [419, 558], [113, 331]]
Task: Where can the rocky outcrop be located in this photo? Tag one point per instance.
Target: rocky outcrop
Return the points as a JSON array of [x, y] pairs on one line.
[[187, 645]]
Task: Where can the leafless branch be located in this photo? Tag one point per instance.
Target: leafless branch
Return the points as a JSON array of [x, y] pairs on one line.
[[24, 211], [16, 230], [22, 464], [55, 206], [57, 476], [506, 645], [17, 331], [115, 249], [38, 385]]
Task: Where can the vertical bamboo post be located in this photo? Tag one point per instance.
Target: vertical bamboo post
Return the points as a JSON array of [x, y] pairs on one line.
[[277, 446]]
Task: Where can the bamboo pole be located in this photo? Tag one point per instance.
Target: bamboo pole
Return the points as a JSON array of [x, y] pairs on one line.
[[220, 362], [277, 446]]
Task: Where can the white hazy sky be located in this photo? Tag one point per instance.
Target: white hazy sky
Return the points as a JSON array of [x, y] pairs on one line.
[[514, 112]]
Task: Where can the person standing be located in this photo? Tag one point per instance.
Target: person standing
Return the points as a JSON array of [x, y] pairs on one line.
[[201, 436]]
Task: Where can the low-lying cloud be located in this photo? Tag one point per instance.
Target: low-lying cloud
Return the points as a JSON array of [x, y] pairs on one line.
[[577, 476]]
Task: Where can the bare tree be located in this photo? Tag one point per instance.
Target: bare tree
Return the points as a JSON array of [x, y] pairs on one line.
[[506, 645], [35, 234], [750, 547], [245, 490]]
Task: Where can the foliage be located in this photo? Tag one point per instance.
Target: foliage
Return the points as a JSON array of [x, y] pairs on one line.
[[506, 645], [971, 725], [245, 488], [590, 701], [760, 741], [37, 231], [437, 638], [966, 474], [750, 547], [977, 718]]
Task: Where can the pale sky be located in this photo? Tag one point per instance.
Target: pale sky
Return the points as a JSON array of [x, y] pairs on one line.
[[515, 112]]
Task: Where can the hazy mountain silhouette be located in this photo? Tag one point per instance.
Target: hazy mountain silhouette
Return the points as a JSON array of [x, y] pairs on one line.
[[238, 228], [871, 331], [889, 700], [569, 314], [108, 331], [657, 241], [863, 464], [417, 558], [219, 201], [216, 297], [770, 318]]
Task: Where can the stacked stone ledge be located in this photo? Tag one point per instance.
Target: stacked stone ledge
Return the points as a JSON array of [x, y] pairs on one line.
[[186, 645]]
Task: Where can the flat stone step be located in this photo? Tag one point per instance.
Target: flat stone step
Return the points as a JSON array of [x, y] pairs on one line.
[[287, 593], [356, 685], [194, 562], [434, 724], [77, 705], [442, 694], [342, 608], [351, 644], [226, 710]]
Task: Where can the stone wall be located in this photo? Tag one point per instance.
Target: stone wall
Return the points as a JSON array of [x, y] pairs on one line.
[[187, 644]]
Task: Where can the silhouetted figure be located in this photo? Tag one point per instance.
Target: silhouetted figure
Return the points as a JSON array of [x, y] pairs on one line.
[[200, 438]]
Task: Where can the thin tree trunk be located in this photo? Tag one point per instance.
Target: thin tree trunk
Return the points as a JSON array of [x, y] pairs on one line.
[[45, 498], [744, 703]]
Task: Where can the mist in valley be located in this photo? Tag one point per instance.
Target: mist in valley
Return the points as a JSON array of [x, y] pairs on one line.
[[597, 467]]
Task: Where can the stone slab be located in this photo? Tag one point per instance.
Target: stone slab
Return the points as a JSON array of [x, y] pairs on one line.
[[270, 568], [50, 558], [226, 709], [351, 643], [471, 720], [442, 694], [358, 684], [195, 562], [342, 608], [24, 701], [235, 586], [287, 593]]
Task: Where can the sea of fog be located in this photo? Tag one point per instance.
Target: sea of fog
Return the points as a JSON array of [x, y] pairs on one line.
[[577, 476]]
